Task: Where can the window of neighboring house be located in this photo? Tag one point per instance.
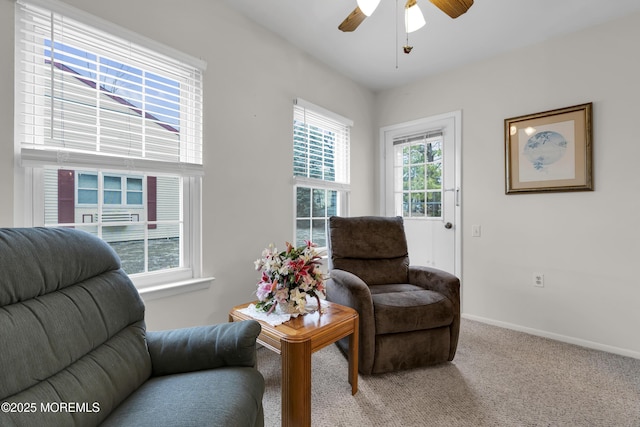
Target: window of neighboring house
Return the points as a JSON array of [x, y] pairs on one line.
[[320, 169], [112, 189], [134, 191], [93, 106], [87, 189]]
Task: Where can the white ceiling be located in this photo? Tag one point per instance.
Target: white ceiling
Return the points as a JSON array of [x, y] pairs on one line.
[[372, 55]]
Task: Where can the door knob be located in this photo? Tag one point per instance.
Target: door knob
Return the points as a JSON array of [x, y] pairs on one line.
[[448, 225]]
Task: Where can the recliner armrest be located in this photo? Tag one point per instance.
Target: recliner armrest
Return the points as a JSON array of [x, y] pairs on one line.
[[348, 289], [436, 280], [446, 284], [203, 347]]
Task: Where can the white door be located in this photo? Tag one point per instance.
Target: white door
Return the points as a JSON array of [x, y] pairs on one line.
[[421, 184]]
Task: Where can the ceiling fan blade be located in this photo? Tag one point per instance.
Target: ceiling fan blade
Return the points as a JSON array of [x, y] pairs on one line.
[[352, 21], [453, 8]]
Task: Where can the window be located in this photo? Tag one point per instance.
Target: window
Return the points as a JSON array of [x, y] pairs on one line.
[[134, 191], [109, 138], [87, 188], [418, 175], [112, 189], [320, 169]]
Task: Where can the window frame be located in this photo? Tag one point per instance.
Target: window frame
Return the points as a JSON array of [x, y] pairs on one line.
[[342, 207], [341, 167], [427, 192], [29, 185], [30, 213]]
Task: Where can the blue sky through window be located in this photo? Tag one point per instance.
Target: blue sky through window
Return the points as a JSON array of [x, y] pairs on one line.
[[153, 94]]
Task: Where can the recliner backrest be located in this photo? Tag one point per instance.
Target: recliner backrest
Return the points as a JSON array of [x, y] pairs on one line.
[[71, 324], [371, 247]]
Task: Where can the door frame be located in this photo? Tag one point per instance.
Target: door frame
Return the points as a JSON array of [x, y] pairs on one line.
[[426, 124]]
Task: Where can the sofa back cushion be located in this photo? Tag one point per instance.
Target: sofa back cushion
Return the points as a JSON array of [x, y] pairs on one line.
[[71, 324], [373, 248]]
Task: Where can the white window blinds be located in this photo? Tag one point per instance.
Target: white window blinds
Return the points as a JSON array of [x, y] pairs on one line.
[[321, 145], [88, 97], [420, 137]]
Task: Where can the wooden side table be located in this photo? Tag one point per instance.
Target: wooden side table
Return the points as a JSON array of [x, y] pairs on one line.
[[295, 341]]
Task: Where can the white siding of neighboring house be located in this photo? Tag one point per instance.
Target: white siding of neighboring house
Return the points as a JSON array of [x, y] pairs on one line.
[[169, 194], [168, 209], [121, 131]]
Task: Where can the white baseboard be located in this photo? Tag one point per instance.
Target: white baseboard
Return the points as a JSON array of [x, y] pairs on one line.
[[557, 337]]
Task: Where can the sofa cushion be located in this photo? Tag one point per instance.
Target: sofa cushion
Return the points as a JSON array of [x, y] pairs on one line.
[[95, 384], [380, 259], [406, 308], [37, 261], [225, 397], [74, 321], [376, 271], [203, 347]]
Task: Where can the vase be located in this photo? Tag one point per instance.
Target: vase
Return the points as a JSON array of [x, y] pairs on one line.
[[288, 308]]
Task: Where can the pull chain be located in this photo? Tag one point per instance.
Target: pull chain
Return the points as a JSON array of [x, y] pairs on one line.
[[396, 45], [406, 47]]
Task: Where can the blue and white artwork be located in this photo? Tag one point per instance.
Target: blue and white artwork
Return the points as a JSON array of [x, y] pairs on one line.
[[545, 148], [547, 152]]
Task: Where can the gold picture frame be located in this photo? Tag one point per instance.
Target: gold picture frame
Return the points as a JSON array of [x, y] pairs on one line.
[[549, 151]]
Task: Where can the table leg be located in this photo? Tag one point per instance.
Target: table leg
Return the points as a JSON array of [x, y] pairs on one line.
[[353, 358], [296, 383]]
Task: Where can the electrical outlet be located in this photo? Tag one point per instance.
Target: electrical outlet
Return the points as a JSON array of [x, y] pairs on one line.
[[538, 280]]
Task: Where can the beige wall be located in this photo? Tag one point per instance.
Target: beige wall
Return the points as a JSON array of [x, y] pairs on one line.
[[250, 83], [586, 244]]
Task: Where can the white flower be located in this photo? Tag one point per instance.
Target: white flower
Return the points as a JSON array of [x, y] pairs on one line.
[[299, 298]]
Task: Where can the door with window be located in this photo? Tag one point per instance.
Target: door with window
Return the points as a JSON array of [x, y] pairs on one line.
[[421, 184]]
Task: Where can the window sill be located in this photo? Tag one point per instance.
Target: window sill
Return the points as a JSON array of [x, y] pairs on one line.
[[171, 289]]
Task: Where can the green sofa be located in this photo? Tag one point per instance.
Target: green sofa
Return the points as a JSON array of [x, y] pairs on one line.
[[74, 350]]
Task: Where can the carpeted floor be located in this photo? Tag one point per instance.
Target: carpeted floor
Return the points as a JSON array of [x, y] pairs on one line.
[[498, 378]]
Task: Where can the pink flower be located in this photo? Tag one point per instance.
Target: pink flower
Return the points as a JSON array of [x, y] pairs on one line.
[[265, 289]]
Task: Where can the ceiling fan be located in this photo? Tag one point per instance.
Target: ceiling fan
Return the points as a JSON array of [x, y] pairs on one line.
[[414, 18]]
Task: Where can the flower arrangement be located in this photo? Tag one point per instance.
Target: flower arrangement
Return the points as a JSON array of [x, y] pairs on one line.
[[288, 277]]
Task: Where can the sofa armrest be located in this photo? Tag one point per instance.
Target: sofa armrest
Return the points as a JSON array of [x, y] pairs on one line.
[[446, 284], [348, 289], [436, 280], [203, 347]]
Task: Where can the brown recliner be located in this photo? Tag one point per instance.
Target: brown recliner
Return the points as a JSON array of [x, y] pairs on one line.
[[409, 315]]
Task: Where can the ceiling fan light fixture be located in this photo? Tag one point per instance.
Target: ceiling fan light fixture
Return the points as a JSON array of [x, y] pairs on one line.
[[368, 6], [413, 17]]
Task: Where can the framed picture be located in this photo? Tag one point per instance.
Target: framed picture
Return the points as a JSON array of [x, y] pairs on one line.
[[549, 151]]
